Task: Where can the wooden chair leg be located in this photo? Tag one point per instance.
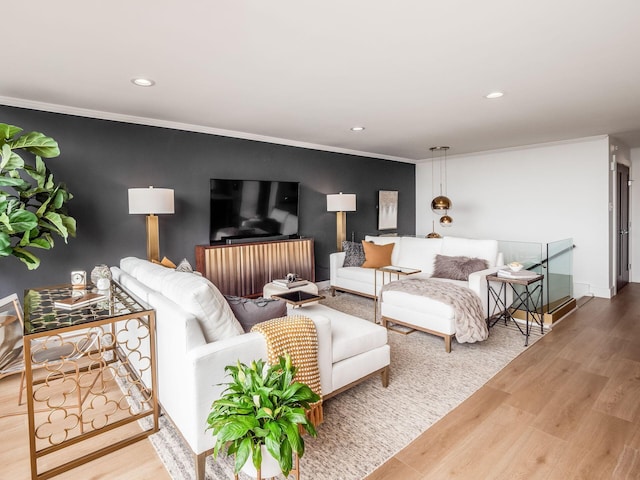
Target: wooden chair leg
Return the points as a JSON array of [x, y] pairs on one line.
[[201, 459], [385, 377]]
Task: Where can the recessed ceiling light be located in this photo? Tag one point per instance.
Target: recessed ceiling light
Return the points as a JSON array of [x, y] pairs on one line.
[[143, 82], [494, 95], [357, 129]]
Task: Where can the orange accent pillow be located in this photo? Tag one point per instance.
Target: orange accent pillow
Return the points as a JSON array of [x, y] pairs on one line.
[[376, 256], [165, 262]]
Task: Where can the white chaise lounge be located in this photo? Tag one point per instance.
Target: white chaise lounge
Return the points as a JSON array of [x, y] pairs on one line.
[[422, 313]]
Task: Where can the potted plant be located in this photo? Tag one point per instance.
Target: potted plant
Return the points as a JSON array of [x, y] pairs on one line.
[[32, 205], [262, 409]]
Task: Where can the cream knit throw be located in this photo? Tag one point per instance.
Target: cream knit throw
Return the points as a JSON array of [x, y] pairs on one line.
[[296, 335]]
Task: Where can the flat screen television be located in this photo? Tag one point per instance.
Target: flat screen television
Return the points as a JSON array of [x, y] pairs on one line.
[[252, 209]]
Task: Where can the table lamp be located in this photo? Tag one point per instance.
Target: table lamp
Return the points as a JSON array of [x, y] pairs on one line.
[[151, 201], [341, 203]]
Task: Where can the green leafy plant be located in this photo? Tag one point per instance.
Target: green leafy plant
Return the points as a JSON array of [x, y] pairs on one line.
[[262, 406], [32, 205]]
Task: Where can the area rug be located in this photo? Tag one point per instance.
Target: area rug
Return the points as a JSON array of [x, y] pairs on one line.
[[368, 424]]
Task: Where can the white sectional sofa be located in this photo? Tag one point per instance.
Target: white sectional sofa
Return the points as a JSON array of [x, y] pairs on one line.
[[420, 253], [197, 335]]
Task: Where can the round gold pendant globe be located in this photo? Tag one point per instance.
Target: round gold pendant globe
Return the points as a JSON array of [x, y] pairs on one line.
[[446, 221], [434, 235], [440, 204]]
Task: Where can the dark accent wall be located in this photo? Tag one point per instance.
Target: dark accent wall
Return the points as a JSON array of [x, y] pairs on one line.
[[101, 159]]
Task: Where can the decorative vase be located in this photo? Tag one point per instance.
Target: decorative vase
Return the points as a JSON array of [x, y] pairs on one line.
[[269, 468], [103, 283], [98, 272]]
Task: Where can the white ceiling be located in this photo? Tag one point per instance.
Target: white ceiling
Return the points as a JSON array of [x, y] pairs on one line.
[[414, 73]]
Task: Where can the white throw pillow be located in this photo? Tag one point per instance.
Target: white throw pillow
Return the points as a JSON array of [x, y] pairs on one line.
[[202, 299], [131, 265]]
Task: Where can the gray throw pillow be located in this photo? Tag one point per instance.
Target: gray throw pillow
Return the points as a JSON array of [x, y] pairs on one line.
[[184, 266], [251, 311], [457, 268], [354, 254]]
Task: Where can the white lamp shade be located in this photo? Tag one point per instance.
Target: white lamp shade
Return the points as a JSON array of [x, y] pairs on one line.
[[341, 202], [151, 200]]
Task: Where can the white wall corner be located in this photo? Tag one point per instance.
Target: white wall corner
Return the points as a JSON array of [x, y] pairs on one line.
[[581, 290]]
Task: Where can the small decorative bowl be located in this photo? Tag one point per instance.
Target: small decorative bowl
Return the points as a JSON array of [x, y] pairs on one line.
[[515, 266]]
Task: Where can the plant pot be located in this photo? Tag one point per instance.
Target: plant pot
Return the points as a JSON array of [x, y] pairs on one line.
[[269, 468]]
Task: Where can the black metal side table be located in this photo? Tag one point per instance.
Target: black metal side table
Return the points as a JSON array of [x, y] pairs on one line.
[[528, 298]]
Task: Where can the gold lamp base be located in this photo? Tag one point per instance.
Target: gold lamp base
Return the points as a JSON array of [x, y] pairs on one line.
[[153, 241], [341, 229]]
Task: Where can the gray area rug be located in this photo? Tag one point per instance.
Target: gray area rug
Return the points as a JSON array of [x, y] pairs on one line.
[[368, 424]]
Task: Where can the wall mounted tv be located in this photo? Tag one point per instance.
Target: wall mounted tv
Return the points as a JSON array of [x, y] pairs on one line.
[[253, 210]]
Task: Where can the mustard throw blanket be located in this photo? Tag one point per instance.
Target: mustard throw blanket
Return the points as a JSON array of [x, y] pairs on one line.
[[296, 335]]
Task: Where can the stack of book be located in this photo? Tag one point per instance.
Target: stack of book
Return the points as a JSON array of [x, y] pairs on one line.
[[522, 274], [79, 301], [283, 282]]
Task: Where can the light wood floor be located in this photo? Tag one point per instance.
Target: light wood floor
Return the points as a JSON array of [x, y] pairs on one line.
[[567, 408]]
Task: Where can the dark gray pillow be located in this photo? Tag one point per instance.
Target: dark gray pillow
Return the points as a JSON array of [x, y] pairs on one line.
[[250, 311], [354, 254], [457, 268]]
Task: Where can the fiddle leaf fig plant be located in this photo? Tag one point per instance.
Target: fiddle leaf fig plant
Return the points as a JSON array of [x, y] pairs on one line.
[[32, 204], [262, 405]]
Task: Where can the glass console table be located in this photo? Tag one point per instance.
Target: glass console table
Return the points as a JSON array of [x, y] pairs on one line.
[[90, 377]]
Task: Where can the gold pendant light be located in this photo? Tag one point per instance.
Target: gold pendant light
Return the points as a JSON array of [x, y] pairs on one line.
[[446, 221], [433, 233], [441, 203]]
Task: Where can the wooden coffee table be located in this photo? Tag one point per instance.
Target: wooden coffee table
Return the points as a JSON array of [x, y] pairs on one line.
[[298, 297]]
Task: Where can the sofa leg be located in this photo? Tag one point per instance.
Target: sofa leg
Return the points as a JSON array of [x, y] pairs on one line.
[[385, 377], [333, 291], [200, 459], [447, 343]]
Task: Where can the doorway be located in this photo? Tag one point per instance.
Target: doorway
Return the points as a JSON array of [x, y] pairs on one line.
[[622, 226]]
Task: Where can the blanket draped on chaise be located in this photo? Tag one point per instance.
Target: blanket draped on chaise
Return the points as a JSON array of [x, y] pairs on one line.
[[471, 325]]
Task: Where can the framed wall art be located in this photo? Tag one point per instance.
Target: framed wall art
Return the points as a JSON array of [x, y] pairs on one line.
[[387, 209]]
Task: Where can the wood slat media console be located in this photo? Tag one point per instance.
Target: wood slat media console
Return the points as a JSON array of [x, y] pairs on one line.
[[243, 269]]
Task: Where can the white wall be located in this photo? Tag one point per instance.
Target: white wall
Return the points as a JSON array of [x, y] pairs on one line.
[[540, 193], [634, 204]]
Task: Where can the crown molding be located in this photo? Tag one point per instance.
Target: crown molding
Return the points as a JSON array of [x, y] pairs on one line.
[[154, 122], [521, 147]]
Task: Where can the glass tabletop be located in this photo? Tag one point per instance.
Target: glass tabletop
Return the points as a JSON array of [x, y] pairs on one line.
[[298, 296], [42, 315]]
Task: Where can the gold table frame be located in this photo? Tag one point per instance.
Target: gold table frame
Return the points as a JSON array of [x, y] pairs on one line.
[[391, 270], [105, 379]]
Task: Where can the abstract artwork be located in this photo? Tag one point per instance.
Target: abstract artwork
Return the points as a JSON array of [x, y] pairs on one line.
[[387, 209]]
